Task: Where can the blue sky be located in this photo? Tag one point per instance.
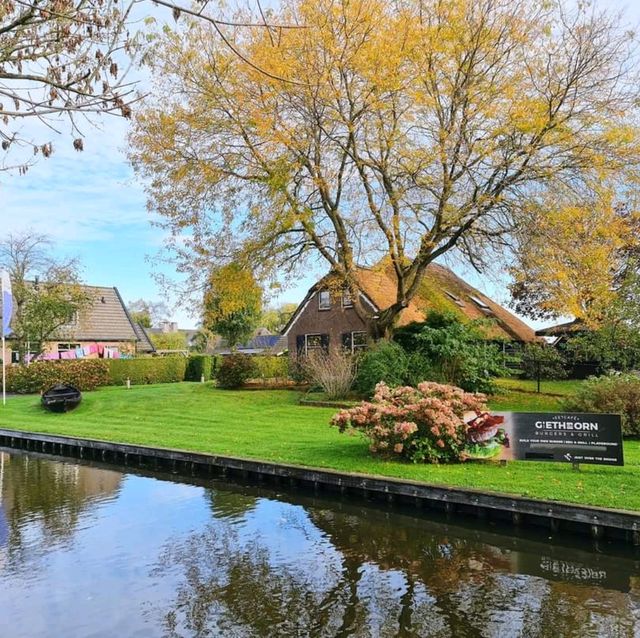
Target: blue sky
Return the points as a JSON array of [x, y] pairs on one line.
[[92, 206]]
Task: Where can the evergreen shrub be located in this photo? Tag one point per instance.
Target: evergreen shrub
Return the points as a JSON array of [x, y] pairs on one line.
[[84, 374]]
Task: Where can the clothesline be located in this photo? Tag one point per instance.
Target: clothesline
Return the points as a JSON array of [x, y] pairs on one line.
[[82, 352]]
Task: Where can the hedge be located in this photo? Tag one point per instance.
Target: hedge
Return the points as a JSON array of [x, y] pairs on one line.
[[147, 370], [199, 365], [271, 367], [84, 374]]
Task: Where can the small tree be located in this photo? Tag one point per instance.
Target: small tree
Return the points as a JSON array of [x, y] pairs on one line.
[[542, 362], [232, 303], [49, 300], [275, 319], [148, 313], [614, 346], [169, 340]]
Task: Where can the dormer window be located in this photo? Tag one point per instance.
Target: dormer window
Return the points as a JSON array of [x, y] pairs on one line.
[[455, 299], [324, 300], [347, 301], [479, 303]]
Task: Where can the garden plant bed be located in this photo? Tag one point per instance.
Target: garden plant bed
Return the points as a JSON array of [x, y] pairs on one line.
[[270, 425]]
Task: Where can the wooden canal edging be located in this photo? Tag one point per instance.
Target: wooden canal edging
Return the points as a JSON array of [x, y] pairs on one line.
[[598, 522]]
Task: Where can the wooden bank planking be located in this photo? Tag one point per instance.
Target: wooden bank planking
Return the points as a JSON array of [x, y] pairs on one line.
[[597, 522]]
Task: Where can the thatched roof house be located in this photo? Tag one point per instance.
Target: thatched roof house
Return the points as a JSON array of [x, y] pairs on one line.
[[322, 319]]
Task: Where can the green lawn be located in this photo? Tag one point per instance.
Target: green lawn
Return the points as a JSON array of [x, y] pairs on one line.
[[563, 388], [271, 425]]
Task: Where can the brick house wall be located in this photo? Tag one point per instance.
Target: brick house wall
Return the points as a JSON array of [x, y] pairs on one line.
[[316, 328]]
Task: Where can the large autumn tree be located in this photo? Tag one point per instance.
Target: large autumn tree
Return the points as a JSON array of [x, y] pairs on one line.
[[403, 129], [580, 256]]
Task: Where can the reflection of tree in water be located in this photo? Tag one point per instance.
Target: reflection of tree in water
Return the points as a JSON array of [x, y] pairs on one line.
[[232, 589], [51, 494], [370, 574]]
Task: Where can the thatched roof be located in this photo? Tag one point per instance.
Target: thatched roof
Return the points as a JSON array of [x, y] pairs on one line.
[[562, 329], [441, 289]]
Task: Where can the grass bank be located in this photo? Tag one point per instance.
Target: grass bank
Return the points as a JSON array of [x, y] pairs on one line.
[[270, 425]]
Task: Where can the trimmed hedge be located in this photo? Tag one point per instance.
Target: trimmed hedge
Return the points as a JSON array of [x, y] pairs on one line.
[[271, 367], [147, 370], [84, 374], [198, 365]]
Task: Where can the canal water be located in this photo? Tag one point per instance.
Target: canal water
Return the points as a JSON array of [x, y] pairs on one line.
[[87, 550]]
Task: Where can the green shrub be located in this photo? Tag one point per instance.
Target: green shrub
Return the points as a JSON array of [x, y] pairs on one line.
[[446, 350], [271, 367], [84, 374], [235, 370], [542, 360], [147, 370], [613, 394], [385, 361], [198, 365]]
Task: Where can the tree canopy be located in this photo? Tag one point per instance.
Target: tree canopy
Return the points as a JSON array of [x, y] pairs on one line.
[[579, 257], [404, 129], [232, 303]]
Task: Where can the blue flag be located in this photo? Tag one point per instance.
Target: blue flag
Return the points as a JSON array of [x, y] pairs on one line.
[[7, 303]]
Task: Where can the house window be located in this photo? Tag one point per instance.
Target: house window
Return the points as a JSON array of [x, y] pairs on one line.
[[479, 303], [316, 343], [324, 300], [347, 301], [354, 341], [66, 347], [455, 298]]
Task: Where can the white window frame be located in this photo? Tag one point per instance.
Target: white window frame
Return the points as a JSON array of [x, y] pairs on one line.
[[347, 300], [306, 342], [320, 305], [358, 347]]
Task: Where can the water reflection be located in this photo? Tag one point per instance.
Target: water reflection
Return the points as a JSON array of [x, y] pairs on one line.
[[365, 572], [50, 497], [123, 554]]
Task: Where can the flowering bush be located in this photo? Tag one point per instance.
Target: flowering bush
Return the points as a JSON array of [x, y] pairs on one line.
[[432, 423]]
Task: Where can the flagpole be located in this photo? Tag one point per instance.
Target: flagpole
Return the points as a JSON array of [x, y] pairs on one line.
[[4, 371], [4, 362], [7, 308], [4, 353]]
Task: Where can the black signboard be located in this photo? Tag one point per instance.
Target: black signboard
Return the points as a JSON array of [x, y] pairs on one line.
[[565, 438]]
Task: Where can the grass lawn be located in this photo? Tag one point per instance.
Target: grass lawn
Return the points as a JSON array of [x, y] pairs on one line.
[[564, 387], [270, 425]]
